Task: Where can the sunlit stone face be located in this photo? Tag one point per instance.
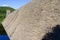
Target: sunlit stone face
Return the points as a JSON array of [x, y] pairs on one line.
[[33, 21]]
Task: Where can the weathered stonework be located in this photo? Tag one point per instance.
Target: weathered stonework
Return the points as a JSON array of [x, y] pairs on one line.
[[31, 22]]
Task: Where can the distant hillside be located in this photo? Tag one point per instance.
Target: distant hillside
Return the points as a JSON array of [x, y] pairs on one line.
[[2, 16], [3, 12], [3, 9]]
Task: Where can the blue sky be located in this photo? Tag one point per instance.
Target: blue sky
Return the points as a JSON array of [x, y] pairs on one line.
[[13, 3]]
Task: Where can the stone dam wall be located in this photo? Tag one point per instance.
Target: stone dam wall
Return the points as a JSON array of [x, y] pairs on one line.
[[33, 20]]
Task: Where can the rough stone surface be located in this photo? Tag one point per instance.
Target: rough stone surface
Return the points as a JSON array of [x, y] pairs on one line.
[[33, 20]]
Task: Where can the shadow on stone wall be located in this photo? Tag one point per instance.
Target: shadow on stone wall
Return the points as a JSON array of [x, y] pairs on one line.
[[54, 35]]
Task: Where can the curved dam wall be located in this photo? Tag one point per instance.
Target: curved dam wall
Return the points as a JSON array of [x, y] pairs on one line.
[[33, 20]]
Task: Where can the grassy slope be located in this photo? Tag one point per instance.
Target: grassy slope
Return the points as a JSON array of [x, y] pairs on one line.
[[2, 16]]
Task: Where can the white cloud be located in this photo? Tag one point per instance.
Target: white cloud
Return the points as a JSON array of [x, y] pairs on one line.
[[4, 5]]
